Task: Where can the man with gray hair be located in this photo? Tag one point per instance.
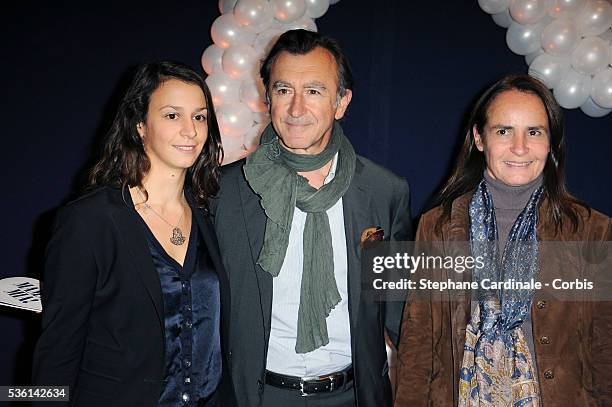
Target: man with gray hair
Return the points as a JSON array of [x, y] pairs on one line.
[[289, 220]]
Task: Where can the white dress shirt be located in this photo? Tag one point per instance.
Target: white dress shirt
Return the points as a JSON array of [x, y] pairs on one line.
[[336, 355]]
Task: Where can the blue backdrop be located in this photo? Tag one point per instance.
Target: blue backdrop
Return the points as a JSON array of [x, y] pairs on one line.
[[418, 65]]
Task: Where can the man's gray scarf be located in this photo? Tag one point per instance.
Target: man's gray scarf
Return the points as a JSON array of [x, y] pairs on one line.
[[271, 171]]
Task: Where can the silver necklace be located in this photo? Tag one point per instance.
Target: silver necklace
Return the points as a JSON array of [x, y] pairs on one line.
[[177, 238]]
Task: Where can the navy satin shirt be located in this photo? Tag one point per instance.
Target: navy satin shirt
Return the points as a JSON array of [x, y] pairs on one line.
[[192, 321]]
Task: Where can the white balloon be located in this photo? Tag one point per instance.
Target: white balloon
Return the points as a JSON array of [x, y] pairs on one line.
[[591, 55], [524, 39], [493, 6], [564, 8], [607, 36], [610, 54], [527, 11], [254, 15], [593, 109], [503, 19], [223, 88], [211, 59], [529, 58], [226, 31], [549, 69], [560, 37], [263, 117], [253, 94], [601, 90], [234, 119], [239, 61], [252, 137], [288, 10], [265, 41], [573, 89], [316, 8], [226, 6], [233, 148], [595, 18]]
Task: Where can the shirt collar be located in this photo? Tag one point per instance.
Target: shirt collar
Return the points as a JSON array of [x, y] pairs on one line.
[[332, 171]]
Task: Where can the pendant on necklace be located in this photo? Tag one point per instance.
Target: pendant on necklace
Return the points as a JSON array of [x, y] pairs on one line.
[[177, 238]]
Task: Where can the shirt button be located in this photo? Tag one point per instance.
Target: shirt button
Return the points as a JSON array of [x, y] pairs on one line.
[[188, 380], [541, 304], [545, 340], [188, 324], [187, 362], [549, 375], [185, 398]]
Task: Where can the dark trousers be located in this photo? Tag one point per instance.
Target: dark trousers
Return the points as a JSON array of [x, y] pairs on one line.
[[276, 397]]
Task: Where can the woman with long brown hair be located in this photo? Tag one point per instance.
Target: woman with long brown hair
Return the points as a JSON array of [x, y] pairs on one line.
[[135, 298], [505, 197]]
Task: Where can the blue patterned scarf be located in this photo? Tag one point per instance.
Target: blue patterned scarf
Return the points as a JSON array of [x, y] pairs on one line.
[[497, 368]]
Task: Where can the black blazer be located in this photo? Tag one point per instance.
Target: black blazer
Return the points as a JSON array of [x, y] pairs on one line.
[[376, 197], [103, 316]]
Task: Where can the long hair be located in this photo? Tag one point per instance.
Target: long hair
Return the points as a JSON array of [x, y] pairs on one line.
[[124, 162], [470, 164]]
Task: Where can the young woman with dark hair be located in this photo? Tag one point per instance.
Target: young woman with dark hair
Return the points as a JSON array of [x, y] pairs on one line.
[[135, 297]]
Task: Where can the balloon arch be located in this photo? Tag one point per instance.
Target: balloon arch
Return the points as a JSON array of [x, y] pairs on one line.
[[567, 45]]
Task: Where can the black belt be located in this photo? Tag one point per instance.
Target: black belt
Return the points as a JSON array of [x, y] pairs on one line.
[[311, 385]]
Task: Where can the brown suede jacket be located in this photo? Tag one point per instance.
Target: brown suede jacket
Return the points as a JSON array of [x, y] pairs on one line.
[[573, 339]]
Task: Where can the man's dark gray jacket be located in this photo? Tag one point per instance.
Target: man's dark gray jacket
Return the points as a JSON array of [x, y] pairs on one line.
[[376, 197]]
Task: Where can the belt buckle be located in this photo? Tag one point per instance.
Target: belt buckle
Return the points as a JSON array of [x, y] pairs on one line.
[[304, 380], [332, 383]]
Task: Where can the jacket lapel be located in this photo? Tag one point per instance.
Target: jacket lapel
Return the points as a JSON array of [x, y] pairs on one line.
[[135, 241], [460, 301], [210, 240], [357, 216], [206, 230], [255, 224]]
